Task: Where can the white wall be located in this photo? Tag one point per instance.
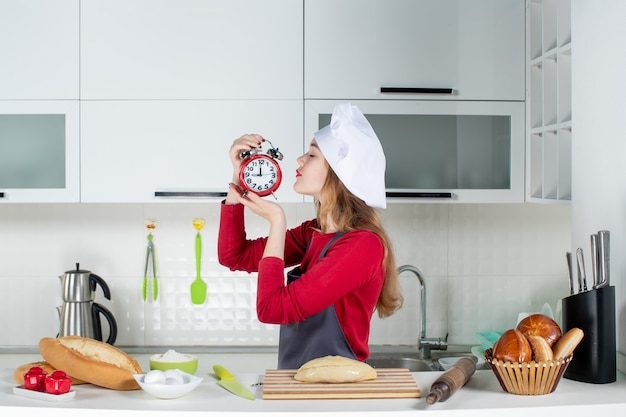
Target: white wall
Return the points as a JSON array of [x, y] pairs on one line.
[[482, 264], [599, 137]]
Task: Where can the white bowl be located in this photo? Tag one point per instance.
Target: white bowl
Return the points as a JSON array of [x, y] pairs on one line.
[[447, 362], [165, 391]]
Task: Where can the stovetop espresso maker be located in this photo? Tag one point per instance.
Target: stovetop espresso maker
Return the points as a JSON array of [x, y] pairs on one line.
[[80, 315]]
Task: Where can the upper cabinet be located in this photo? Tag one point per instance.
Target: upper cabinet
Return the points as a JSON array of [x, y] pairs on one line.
[[549, 102], [177, 150], [39, 151], [193, 49], [39, 108], [39, 49], [415, 49]]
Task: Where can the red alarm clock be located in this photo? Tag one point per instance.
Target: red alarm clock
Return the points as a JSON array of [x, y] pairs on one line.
[[260, 172]]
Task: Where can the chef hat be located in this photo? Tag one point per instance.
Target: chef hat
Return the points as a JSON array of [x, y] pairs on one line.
[[355, 154]]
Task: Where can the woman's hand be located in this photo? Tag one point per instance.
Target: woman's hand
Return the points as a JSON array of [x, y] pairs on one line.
[[271, 212], [243, 144]]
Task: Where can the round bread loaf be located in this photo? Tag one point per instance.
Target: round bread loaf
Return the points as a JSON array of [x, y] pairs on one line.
[[567, 343], [92, 361], [540, 325], [512, 346], [18, 375]]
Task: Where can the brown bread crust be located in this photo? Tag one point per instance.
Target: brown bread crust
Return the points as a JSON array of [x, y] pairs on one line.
[[92, 361], [541, 349], [566, 344], [540, 325], [512, 347]]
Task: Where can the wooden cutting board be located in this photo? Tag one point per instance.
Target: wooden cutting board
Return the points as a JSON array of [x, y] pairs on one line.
[[389, 383]]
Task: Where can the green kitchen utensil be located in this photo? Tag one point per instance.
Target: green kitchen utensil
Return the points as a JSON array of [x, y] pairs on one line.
[[198, 287], [150, 260], [228, 381]]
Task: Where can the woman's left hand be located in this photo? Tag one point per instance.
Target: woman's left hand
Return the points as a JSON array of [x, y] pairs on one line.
[[269, 210]]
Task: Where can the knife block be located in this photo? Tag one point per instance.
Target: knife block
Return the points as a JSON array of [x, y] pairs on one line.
[[594, 313]]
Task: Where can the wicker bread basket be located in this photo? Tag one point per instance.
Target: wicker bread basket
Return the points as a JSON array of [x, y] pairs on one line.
[[528, 378]]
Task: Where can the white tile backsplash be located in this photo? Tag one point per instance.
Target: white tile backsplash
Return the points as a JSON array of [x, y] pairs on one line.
[[482, 265]]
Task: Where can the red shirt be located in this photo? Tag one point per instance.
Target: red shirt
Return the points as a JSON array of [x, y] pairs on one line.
[[350, 276]]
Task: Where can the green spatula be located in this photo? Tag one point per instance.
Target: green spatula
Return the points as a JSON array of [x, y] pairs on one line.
[[198, 287]]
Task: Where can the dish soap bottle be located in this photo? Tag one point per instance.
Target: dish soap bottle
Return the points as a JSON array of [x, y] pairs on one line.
[[451, 380]]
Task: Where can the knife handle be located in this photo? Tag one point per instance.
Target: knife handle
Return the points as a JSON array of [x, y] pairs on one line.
[[570, 273], [222, 373], [582, 279], [594, 260], [603, 257]]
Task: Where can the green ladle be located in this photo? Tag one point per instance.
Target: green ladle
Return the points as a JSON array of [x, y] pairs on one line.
[[198, 287]]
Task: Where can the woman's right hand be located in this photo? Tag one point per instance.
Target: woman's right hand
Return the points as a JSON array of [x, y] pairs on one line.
[[245, 143]]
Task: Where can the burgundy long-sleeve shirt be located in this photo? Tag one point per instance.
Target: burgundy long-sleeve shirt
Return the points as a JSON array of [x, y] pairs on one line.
[[350, 276]]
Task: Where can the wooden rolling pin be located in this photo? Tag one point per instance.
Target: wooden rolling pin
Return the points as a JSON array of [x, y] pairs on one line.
[[451, 380]]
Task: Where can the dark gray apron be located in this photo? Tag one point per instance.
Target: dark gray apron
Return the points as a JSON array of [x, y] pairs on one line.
[[317, 336]]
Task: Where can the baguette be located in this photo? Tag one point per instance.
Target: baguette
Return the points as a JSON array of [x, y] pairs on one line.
[[335, 369], [567, 343], [18, 375], [91, 361]]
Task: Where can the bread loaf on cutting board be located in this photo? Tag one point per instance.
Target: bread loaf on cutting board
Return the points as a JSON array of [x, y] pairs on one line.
[[91, 361], [335, 369]]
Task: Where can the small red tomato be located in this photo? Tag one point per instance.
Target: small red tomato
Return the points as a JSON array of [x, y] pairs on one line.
[[34, 379], [58, 383]]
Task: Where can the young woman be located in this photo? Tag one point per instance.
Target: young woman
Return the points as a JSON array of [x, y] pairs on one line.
[[346, 264]]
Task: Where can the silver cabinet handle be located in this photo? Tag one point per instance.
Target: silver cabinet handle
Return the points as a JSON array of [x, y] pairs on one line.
[[190, 194], [417, 194], [416, 90]]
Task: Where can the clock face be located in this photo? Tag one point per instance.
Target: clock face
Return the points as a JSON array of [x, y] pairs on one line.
[[260, 174]]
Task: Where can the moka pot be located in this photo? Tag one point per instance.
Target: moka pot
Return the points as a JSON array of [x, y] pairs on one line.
[[80, 315]]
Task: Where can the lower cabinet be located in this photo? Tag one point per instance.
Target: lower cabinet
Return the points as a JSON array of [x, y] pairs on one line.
[[163, 151]]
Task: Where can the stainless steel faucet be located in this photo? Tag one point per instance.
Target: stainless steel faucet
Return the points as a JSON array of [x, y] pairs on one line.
[[424, 344]]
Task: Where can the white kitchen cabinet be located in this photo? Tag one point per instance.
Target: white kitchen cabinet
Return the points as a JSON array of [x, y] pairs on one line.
[[150, 150], [192, 49], [548, 102], [443, 151], [353, 48], [39, 49], [39, 151]]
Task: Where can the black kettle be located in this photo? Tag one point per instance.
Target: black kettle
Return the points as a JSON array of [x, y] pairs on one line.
[[80, 315]]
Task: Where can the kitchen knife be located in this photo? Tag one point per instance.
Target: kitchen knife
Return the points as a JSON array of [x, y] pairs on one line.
[[603, 258], [570, 274], [594, 260], [582, 279], [228, 381]]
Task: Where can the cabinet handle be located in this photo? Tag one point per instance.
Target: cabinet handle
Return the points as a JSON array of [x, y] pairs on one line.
[[416, 194], [190, 194], [416, 90]]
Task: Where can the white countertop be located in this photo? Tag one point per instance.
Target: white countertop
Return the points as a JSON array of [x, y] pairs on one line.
[[482, 396]]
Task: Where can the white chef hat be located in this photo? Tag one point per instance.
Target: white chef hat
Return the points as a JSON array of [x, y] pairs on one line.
[[354, 152]]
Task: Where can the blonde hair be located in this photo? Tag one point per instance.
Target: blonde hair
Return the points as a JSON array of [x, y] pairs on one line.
[[348, 213]]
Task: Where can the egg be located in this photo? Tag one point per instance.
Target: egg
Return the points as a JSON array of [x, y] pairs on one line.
[[155, 377], [173, 377]]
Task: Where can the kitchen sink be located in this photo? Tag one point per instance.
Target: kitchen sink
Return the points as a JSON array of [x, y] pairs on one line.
[[412, 364]]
